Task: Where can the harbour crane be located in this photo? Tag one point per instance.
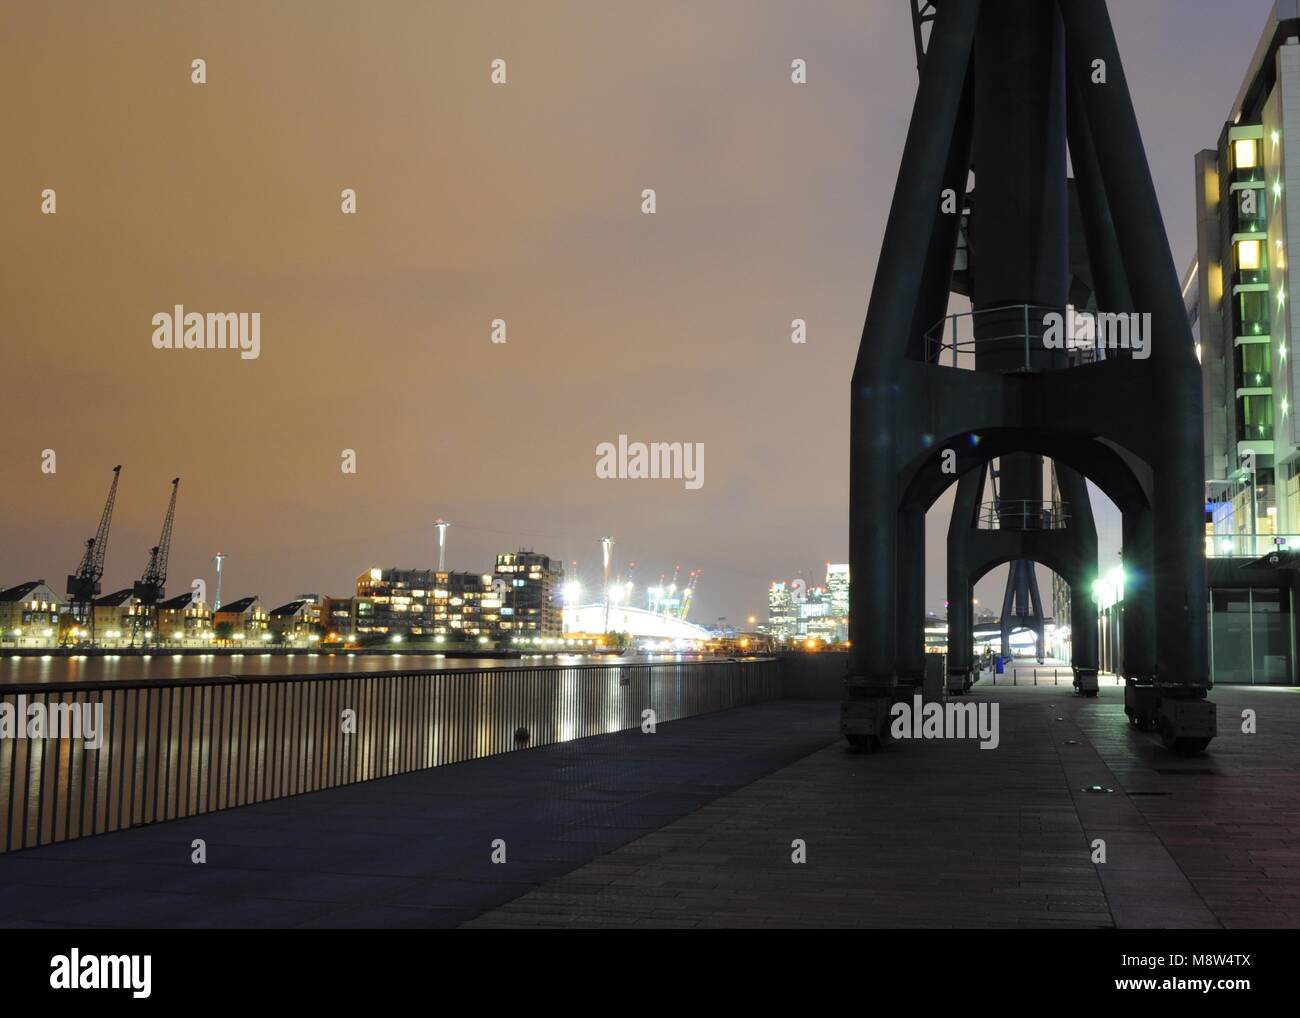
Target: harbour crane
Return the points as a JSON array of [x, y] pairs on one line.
[[83, 585], [150, 588]]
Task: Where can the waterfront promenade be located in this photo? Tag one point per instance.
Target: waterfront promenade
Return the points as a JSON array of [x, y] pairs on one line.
[[693, 826]]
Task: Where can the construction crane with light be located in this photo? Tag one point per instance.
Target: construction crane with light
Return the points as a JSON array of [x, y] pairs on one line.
[[83, 585], [151, 588]]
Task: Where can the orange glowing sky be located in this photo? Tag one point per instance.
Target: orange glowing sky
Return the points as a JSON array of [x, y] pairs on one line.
[[476, 202]]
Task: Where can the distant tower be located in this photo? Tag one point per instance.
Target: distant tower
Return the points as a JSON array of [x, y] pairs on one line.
[[607, 546], [442, 526], [220, 558]]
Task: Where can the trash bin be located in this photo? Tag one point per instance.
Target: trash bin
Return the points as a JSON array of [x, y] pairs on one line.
[[1001, 665]]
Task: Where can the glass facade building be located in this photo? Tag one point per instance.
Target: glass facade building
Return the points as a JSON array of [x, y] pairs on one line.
[[1238, 295]]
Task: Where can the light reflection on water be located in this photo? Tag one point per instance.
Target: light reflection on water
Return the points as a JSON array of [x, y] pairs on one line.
[[49, 669], [188, 749]]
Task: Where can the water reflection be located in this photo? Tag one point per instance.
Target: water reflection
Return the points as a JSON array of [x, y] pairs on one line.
[[185, 749], [117, 667]]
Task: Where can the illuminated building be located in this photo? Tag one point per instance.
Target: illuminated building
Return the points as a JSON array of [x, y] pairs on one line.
[[314, 608], [111, 617], [1245, 324], [782, 616], [664, 600], [182, 620], [640, 624], [295, 622], [796, 611], [817, 618], [246, 618], [837, 582], [1237, 295], [29, 615], [336, 618], [530, 604], [425, 604]]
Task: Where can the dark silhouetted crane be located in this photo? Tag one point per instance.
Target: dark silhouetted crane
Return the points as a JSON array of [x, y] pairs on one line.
[[151, 588], [83, 585]]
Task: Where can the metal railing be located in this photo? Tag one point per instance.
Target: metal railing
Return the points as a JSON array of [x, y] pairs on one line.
[[1012, 676], [1023, 514], [1011, 339], [170, 749]]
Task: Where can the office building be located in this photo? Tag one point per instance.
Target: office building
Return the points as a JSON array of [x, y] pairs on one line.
[[782, 615], [837, 582]]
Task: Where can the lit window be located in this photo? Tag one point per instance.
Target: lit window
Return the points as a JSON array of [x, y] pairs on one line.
[[1244, 153], [1247, 254]]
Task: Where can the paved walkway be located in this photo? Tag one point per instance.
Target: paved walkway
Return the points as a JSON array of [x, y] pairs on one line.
[[944, 834], [413, 850], [693, 827]]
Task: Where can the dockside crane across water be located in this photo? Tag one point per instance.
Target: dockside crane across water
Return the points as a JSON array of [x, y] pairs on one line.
[[150, 589], [83, 585]]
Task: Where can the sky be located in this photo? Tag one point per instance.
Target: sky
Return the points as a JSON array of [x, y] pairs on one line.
[[475, 202]]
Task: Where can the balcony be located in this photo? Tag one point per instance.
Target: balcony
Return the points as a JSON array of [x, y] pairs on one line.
[[1019, 338], [1023, 514]]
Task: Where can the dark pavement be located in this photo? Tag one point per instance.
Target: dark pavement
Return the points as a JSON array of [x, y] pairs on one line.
[[693, 826], [944, 834], [413, 850]]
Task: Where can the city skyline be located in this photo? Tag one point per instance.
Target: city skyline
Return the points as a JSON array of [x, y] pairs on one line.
[[375, 328]]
